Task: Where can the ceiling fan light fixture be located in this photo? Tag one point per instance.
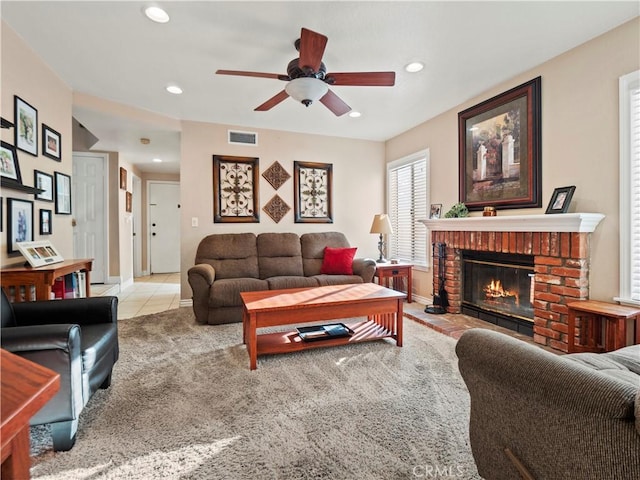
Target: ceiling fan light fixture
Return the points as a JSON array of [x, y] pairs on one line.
[[156, 14], [306, 90], [354, 114]]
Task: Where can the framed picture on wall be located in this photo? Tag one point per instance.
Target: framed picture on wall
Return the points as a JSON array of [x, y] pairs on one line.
[[46, 222], [123, 179], [19, 223], [51, 143], [128, 203], [499, 143], [9, 167], [63, 193], [312, 192], [43, 181], [26, 126]]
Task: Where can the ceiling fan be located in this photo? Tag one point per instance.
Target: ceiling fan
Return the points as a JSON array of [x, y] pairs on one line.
[[308, 78]]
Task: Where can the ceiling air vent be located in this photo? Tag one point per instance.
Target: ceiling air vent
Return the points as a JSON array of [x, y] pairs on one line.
[[243, 138]]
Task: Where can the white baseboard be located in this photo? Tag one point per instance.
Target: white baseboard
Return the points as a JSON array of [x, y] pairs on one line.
[[127, 284], [186, 302]]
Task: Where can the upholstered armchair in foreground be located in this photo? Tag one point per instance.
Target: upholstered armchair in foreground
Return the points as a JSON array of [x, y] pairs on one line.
[[540, 415], [77, 338]]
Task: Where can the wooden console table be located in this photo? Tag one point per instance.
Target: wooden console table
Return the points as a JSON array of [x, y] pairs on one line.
[[42, 278], [592, 313], [26, 387], [395, 271]]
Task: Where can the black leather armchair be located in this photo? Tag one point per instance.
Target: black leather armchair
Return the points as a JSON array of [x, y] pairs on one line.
[[78, 338]]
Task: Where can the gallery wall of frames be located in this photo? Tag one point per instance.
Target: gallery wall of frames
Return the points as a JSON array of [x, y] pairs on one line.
[[30, 198]]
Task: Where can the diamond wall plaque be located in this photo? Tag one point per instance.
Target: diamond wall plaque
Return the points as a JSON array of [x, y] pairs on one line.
[[276, 175], [276, 208]]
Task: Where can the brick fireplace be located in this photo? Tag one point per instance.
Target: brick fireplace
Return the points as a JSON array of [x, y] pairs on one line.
[[560, 248]]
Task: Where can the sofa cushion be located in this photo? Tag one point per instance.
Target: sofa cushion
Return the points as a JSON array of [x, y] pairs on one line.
[[622, 364], [232, 255], [338, 261], [226, 292], [291, 281], [279, 254], [313, 245], [324, 280]]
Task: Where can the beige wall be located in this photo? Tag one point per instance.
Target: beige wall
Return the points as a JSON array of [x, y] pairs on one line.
[[579, 147], [25, 75], [358, 184], [579, 142]]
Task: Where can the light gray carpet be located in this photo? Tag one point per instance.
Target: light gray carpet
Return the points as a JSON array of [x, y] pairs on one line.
[[184, 405]]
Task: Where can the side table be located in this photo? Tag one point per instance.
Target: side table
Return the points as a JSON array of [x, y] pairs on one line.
[[26, 387], [396, 271], [592, 313]]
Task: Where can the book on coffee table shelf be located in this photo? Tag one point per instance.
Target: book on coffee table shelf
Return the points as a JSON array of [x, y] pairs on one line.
[[321, 332]]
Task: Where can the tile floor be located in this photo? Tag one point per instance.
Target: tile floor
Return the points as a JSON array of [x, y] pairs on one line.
[[152, 294]]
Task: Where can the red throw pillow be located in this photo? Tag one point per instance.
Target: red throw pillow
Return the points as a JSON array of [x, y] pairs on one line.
[[338, 261]]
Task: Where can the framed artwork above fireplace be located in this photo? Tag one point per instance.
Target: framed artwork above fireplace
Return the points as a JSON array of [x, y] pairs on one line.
[[499, 150]]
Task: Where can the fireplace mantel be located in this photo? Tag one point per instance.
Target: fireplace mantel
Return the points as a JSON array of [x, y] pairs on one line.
[[560, 222]]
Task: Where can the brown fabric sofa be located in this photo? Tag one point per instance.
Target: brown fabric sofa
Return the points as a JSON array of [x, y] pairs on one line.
[[227, 264], [569, 417]]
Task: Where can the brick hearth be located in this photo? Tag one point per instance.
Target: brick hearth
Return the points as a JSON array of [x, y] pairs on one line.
[[561, 263]]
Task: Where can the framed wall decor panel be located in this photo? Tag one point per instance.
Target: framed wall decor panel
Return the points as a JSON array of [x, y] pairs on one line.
[[26, 126], [235, 189], [312, 192], [499, 150]]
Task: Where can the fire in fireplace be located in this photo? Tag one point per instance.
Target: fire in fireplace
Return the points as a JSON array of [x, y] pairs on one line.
[[499, 288]]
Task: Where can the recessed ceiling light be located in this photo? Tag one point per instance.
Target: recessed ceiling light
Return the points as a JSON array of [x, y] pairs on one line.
[[157, 160], [354, 114], [176, 90], [414, 67], [156, 14]]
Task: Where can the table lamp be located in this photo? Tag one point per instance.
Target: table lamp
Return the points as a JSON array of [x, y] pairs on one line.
[[382, 225]]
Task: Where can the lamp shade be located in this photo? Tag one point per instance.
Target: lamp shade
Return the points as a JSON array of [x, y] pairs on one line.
[[381, 224], [306, 89]]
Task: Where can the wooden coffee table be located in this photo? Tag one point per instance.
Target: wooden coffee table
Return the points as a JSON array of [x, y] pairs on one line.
[[270, 308]]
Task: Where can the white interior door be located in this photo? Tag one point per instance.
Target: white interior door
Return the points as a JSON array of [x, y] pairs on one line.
[[137, 222], [89, 187], [164, 227]]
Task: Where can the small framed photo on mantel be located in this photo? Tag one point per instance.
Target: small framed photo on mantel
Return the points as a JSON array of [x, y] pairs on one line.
[[561, 199]]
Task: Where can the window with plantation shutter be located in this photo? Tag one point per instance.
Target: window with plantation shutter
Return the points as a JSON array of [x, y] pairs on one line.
[[407, 194], [630, 188]]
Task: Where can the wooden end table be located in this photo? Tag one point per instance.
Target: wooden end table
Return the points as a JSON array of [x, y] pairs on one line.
[[269, 308], [592, 313], [26, 387], [396, 272]]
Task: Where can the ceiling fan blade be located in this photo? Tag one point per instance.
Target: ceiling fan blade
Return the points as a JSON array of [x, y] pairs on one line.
[[240, 73], [335, 103], [362, 79], [312, 46], [272, 102]]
